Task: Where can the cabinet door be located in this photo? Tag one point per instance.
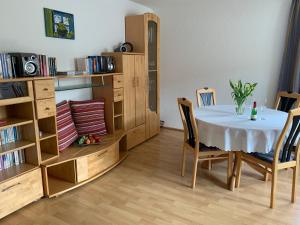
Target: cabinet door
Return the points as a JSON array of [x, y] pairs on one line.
[[140, 95], [129, 92]]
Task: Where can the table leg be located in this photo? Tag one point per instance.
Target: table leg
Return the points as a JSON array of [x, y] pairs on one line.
[[234, 171]]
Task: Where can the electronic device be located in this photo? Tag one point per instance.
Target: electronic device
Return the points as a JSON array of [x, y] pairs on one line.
[[125, 47], [110, 64], [25, 64]]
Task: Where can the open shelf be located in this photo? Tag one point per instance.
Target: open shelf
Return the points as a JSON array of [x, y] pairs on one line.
[[57, 185], [46, 136], [15, 146], [13, 122], [118, 115], [12, 101], [47, 156], [14, 171], [85, 76], [77, 86]]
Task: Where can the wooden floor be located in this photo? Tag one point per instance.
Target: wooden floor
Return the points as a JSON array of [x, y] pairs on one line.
[[147, 189]]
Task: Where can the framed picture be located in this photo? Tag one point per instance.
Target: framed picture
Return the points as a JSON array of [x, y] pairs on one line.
[[59, 24]]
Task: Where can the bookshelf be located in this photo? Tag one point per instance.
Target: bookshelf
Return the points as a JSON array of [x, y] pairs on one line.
[[19, 149]]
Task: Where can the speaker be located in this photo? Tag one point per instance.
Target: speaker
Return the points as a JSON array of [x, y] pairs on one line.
[[125, 47], [111, 66], [25, 64]]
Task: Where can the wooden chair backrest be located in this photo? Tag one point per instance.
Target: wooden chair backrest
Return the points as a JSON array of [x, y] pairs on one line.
[[286, 101], [206, 96], [191, 134], [288, 138]]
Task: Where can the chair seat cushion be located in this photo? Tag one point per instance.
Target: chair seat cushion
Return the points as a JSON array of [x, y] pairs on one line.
[[268, 157], [204, 148]]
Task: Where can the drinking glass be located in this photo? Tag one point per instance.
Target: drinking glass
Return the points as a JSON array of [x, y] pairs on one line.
[[263, 106]]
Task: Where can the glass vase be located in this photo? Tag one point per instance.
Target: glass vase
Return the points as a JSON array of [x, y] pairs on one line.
[[240, 109]]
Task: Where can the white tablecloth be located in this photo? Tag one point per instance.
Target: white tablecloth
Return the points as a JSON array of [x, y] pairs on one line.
[[219, 126]]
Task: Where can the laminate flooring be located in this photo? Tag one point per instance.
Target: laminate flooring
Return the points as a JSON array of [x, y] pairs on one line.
[[147, 189]]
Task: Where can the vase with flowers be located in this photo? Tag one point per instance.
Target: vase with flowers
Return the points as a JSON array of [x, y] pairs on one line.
[[240, 93]]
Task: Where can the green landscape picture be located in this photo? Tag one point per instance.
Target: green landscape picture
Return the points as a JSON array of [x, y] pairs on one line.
[[59, 24]]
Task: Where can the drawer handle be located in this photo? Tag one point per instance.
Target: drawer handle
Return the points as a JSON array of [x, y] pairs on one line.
[[119, 81], [101, 155], [119, 95], [46, 89], [47, 108], [10, 187]]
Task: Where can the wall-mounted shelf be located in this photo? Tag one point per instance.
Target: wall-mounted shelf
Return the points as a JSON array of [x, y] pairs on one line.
[[85, 76], [77, 86]]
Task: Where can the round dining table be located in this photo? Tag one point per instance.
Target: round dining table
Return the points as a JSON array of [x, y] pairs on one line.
[[219, 126]]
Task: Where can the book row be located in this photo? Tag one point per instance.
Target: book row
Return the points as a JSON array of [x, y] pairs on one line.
[[7, 136], [14, 65]]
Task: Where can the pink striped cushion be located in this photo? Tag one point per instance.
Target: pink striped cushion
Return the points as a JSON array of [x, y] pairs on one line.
[[66, 130], [89, 116]]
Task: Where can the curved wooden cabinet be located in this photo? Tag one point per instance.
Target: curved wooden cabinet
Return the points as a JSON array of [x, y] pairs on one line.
[[79, 165]]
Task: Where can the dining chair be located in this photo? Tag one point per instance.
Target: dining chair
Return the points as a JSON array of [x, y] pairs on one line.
[[284, 156], [192, 143], [206, 96], [285, 101]]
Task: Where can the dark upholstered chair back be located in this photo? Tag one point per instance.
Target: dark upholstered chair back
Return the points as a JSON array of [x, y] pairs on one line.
[[188, 121]]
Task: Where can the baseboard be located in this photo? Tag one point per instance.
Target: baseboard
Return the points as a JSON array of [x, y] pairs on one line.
[[173, 128]]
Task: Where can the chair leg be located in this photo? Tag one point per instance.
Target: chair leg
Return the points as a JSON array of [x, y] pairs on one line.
[[229, 168], [209, 165], [295, 175], [274, 186], [239, 170], [183, 161], [195, 170], [266, 176]]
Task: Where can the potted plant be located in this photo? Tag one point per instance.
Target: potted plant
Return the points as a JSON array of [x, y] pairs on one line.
[[240, 93]]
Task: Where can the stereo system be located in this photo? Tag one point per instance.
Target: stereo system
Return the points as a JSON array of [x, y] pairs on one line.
[[25, 64]]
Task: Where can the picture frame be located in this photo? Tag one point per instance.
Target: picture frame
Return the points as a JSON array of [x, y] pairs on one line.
[[59, 24]]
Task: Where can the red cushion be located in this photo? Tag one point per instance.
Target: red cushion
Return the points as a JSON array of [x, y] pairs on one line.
[[89, 116], [66, 130]]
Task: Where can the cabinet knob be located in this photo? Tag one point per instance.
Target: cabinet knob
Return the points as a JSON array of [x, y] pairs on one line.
[[45, 89]]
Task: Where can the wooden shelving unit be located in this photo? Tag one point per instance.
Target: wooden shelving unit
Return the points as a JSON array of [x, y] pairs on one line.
[[19, 141]]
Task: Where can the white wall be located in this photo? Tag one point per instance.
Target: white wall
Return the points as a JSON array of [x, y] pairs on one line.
[[99, 26], [208, 42]]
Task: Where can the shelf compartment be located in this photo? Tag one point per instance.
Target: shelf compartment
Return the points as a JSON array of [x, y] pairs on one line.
[[14, 122], [57, 186], [15, 146], [118, 115], [118, 123], [46, 136], [18, 100], [118, 108], [49, 148], [16, 170], [21, 112], [45, 157]]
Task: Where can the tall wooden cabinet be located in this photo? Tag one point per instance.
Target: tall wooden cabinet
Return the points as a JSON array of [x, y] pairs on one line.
[[143, 31], [132, 65]]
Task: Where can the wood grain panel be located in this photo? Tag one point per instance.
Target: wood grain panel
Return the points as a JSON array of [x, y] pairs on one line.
[[20, 191], [140, 94], [44, 89]]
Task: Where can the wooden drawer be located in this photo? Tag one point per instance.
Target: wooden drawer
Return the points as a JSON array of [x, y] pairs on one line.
[[92, 165], [136, 136], [20, 191], [118, 81], [45, 108], [118, 94], [44, 89]]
